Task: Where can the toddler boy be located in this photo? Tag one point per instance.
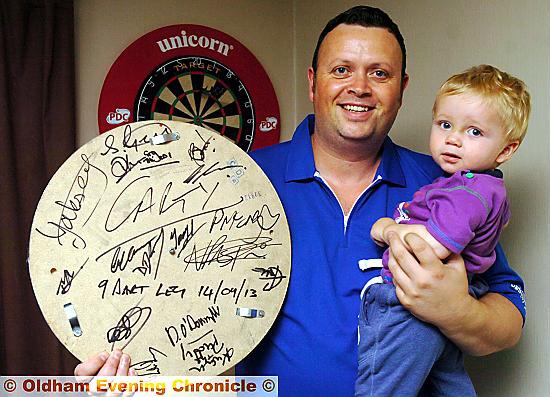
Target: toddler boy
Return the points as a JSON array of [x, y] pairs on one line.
[[480, 117]]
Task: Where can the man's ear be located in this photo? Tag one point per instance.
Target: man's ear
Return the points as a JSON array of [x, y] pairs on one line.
[[507, 152], [404, 83], [311, 81]]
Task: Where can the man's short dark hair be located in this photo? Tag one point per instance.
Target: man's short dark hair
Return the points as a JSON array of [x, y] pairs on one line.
[[366, 16]]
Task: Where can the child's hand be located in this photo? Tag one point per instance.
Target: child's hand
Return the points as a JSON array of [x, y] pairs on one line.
[[377, 232], [384, 226]]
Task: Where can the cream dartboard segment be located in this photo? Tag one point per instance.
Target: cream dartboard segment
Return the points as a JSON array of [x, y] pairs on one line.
[[166, 240]]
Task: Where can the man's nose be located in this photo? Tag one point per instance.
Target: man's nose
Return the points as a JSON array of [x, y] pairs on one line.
[[454, 138], [360, 85]]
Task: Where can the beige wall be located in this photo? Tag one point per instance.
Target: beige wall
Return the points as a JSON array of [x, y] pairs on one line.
[[442, 37], [104, 28]]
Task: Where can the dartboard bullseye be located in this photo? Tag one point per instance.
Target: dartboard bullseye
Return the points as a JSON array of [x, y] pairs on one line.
[[197, 75]]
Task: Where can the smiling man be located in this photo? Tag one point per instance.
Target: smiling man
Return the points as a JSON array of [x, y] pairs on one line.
[[336, 177], [356, 89]]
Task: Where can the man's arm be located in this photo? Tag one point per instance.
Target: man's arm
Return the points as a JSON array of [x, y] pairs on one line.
[[438, 293]]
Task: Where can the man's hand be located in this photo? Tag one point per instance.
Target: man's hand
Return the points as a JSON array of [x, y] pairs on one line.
[[105, 364], [438, 294], [429, 289]]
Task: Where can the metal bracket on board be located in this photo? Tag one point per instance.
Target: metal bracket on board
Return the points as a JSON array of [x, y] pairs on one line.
[[250, 313], [164, 138], [73, 319]]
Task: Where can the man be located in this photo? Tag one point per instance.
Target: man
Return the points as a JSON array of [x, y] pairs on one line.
[[337, 176]]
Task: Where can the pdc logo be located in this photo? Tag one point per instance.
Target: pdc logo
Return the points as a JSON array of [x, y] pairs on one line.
[[270, 123], [119, 116]]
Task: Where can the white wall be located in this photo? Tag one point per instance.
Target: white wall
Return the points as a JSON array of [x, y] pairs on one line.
[[442, 38]]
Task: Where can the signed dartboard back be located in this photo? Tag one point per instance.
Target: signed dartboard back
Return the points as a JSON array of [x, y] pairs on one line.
[[163, 239]]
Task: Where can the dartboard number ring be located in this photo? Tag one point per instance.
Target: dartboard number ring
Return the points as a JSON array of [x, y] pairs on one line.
[[201, 91]]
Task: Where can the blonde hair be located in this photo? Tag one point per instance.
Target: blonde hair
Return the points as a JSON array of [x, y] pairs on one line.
[[507, 94]]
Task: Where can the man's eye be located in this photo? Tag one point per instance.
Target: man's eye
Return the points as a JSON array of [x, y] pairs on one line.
[[445, 125], [473, 132], [380, 74], [341, 71]]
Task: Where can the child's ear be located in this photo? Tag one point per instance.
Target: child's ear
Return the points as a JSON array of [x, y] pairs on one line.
[[507, 152]]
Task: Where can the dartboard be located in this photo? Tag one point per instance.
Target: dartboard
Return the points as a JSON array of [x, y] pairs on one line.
[[194, 74], [201, 91]]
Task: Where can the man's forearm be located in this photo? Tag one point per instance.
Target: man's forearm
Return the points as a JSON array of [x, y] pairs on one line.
[[485, 326]]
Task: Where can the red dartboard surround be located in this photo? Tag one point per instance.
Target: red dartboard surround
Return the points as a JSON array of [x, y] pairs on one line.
[[195, 74]]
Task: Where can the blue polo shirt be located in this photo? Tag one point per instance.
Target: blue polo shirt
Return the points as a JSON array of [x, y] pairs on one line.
[[312, 347]]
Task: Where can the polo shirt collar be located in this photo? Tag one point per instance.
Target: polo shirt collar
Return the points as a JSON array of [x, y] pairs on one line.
[[390, 166], [301, 164]]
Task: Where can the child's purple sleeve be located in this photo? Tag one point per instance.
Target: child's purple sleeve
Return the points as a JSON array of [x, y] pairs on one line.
[[455, 214]]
